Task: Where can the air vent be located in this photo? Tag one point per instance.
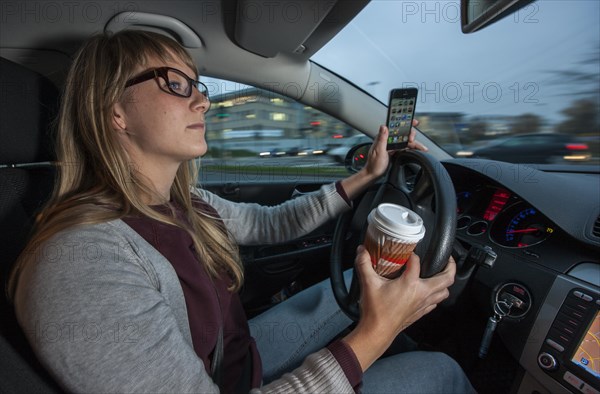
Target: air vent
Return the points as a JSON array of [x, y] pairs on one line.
[[596, 228]]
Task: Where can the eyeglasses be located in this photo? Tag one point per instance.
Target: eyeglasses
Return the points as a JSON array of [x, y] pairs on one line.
[[174, 82]]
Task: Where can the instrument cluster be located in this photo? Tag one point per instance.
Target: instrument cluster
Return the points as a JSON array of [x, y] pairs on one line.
[[509, 221]]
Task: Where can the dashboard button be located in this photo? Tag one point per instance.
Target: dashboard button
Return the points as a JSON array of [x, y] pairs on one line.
[[587, 298], [547, 361], [572, 380], [587, 389], [579, 384], [555, 345], [583, 296]]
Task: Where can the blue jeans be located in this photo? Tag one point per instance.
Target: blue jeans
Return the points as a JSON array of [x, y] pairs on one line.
[[308, 321]]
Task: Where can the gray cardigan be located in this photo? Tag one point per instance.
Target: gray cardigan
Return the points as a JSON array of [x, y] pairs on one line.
[[105, 312]]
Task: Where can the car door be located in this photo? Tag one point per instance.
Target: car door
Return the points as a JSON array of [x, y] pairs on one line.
[[249, 132], [542, 147], [521, 149]]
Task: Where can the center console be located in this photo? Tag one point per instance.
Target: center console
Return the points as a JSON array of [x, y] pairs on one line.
[[563, 349]]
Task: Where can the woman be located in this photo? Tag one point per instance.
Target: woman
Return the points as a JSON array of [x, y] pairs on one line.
[[130, 280]]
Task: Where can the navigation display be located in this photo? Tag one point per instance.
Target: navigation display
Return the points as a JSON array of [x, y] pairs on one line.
[[587, 354]]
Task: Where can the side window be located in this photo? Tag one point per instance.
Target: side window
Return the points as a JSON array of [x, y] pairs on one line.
[[255, 135], [515, 142]]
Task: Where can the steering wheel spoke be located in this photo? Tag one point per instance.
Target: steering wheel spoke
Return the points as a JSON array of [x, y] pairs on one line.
[[422, 190]]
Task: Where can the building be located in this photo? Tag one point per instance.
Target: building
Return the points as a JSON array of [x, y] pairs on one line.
[[254, 119]]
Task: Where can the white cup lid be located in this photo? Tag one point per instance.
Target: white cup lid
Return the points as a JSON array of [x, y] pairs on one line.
[[398, 221]]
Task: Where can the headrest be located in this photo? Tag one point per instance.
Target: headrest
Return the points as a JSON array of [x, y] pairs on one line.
[[28, 104]]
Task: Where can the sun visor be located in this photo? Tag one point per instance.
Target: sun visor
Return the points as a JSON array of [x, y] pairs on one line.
[[268, 27]]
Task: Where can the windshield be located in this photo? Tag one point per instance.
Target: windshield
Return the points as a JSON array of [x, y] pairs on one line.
[[525, 89]]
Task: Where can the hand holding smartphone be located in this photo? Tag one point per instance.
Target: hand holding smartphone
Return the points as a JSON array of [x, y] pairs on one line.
[[401, 111]]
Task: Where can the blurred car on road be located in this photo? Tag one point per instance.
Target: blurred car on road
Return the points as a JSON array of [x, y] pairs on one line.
[[339, 153], [294, 151], [297, 151], [273, 153], [550, 148]]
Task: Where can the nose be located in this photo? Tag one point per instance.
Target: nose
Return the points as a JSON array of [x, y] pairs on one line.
[[200, 101]]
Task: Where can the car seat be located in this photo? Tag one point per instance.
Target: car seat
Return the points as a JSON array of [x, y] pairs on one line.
[[28, 104]]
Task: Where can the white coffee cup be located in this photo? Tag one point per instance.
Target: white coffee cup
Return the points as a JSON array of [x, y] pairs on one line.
[[392, 234]]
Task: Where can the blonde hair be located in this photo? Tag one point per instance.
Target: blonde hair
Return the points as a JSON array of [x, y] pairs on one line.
[[96, 180]]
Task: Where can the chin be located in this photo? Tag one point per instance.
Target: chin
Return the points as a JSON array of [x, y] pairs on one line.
[[200, 152], [192, 155], [196, 149]]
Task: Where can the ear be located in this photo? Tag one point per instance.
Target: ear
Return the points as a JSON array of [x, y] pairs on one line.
[[118, 118]]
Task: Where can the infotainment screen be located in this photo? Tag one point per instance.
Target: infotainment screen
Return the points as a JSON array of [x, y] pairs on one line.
[[587, 354]]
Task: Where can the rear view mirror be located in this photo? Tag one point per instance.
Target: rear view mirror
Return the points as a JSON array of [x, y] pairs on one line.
[[477, 14]]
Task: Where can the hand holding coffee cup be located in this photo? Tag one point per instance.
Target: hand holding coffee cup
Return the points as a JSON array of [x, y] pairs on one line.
[[392, 234]]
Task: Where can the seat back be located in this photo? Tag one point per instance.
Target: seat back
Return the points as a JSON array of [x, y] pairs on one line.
[[28, 104]]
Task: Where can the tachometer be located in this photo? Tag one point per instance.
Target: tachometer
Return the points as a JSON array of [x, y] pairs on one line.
[[521, 226]]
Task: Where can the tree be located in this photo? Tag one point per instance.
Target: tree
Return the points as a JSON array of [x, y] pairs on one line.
[[583, 115], [583, 78], [526, 123], [582, 118], [476, 131]]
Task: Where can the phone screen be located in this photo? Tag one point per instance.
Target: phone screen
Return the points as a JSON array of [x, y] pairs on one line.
[[401, 111]]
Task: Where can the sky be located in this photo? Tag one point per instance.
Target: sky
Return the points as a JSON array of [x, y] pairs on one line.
[[508, 68]]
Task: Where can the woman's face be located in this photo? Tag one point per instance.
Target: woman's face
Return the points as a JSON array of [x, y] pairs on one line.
[[157, 128]]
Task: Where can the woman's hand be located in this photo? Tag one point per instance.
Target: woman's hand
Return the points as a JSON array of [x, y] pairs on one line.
[[412, 142], [377, 161], [389, 306], [379, 157]]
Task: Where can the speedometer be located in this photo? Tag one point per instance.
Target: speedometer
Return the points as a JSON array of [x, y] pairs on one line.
[[521, 226]]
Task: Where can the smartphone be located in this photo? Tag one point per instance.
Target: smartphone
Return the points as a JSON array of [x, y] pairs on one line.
[[401, 110]]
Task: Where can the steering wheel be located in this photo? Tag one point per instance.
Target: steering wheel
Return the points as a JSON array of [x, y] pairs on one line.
[[419, 182]]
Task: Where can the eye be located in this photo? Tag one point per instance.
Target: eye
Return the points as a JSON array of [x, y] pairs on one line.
[[177, 83], [176, 86]]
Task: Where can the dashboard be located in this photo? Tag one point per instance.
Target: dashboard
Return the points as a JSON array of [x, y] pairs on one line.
[[543, 230]]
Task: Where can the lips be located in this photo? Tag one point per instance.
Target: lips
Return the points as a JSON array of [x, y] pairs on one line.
[[196, 126]]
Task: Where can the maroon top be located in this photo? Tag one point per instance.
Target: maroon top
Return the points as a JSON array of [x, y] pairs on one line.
[[210, 305]]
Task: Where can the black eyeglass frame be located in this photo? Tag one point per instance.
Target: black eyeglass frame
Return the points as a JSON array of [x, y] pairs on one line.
[[162, 72]]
